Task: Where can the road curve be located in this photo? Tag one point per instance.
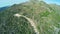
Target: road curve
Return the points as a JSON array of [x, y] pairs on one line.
[[30, 21]]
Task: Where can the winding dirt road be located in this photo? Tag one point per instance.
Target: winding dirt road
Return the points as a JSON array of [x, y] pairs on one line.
[[31, 22]]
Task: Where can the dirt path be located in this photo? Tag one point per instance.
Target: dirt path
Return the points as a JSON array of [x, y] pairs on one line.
[[31, 22]]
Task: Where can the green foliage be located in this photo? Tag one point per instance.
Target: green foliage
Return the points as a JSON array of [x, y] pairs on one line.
[[47, 18]]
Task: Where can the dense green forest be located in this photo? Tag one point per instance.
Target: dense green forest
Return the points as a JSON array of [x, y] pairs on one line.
[[46, 18]]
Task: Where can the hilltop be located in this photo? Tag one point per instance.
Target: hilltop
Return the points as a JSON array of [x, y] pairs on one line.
[[46, 18]]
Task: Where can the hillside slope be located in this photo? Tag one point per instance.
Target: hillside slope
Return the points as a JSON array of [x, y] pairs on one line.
[[46, 19], [3, 8]]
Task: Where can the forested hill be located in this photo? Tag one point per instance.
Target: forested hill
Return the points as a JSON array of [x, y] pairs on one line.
[[45, 18], [4, 8]]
